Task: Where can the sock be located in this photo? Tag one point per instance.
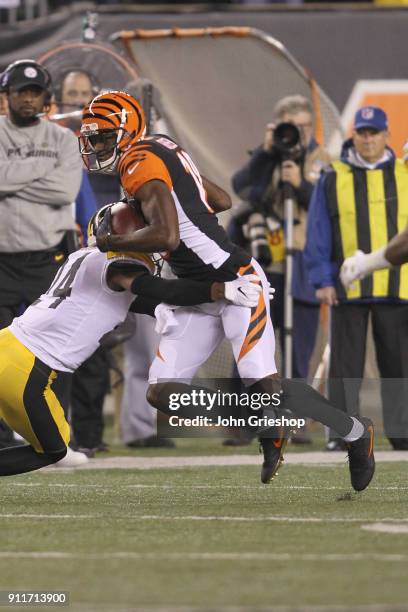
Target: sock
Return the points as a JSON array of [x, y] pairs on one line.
[[304, 401], [356, 431]]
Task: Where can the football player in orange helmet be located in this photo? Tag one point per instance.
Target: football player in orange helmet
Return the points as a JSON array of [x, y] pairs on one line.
[[178, 204], [111, 123], [113, 139]]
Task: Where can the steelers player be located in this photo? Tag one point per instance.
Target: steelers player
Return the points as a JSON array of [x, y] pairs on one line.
[[179, 207], [91, 294]]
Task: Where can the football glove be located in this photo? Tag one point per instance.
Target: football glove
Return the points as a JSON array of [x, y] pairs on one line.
[[361, 264], [104, 232], [352, 269], [244, 291]]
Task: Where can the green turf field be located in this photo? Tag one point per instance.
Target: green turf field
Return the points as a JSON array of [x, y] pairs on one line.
[[206, 538]]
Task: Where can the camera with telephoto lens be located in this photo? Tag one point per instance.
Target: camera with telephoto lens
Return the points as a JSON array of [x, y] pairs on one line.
[[258, 238], [286, 144]]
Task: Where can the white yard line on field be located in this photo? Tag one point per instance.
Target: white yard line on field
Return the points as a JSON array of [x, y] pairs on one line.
[[255, 487], [241, 519], [221, 486], [56, 484], [207, 556], [319, 458], [386, 528]]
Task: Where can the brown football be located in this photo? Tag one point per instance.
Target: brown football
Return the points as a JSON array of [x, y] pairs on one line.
[[125, 219]]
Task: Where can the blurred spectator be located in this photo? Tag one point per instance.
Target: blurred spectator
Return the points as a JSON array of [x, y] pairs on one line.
[[259, 182], [77, 88], [359, 204], [40, 175]]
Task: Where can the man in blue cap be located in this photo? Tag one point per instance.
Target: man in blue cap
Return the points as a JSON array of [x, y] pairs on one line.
[[360, 204]]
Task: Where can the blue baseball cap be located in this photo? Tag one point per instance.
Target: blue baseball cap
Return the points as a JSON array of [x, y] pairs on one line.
[[371, 117]]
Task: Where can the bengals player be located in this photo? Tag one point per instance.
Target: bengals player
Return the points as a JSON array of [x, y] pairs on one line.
[[179, 207]]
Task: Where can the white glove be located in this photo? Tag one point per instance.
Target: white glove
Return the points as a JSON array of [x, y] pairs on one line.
[[352, 269], [271, 292], [244, 291], [360, 265], [165, 318]]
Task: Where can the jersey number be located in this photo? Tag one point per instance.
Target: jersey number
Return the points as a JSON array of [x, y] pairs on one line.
[[61, 286], [191, 169]]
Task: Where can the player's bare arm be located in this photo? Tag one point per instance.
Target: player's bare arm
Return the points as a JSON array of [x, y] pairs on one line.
[[218, 199], [360, 265], [397, 250], [161, 232]]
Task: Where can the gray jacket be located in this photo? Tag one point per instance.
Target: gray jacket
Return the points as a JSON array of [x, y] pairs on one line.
[[40, 176]]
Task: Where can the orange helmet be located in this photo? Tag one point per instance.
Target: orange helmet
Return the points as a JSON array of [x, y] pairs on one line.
[[112, 122]]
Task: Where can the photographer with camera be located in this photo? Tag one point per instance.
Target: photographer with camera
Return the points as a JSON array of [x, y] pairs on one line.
[[288, 163]]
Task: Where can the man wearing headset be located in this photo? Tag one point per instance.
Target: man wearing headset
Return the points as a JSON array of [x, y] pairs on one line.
[[40, 176]]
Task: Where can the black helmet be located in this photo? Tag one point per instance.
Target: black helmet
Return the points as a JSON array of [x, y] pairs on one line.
[[26, 72]]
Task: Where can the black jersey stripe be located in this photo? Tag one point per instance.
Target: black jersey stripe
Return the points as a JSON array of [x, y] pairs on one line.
[[38, 411], [390, 192], [186, 264], [363, 223], [204, 248]]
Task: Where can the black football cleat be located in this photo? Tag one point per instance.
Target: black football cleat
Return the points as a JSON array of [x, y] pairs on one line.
[[272, 449], [361, 457]]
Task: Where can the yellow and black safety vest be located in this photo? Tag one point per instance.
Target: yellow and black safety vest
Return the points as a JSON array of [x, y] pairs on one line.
[[367, 208]]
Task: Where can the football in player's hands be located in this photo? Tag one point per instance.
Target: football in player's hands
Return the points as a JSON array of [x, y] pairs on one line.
[[125, 219]]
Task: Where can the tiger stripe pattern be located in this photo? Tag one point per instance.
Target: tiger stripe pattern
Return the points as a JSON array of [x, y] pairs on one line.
[[257, 321]]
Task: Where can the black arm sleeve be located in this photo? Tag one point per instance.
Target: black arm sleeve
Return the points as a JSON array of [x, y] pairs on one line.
[[180, 292], [144, 305]]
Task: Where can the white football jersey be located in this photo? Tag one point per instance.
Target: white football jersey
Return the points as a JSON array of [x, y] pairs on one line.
[[65, 325]]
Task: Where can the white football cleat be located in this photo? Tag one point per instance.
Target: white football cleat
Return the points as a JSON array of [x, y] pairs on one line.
[[72, 459]]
